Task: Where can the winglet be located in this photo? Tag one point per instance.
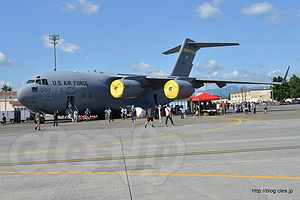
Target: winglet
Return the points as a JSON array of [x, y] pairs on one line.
[[284, 79]]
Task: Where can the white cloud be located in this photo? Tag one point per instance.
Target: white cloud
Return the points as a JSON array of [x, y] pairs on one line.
[[298, 14], [215, 73], [68, 47], [263, 8], [275, 73], [144, 67], [206, 11], [274, 17], [258, 8], [4, 61], [234, 75], [254, 76], [86, 6], [62, 44], [68, 7], [212, 66]]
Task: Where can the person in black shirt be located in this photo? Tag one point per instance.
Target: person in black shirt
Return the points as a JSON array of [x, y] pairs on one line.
[[55, 116], [150, 117], [4, 119]]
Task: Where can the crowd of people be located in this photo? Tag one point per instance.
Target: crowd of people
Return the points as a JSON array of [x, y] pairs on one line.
[[156, 113], [222, 108]]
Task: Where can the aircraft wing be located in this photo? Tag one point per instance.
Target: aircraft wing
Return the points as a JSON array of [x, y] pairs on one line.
[[223, 83], [157, 82], [197, 82]]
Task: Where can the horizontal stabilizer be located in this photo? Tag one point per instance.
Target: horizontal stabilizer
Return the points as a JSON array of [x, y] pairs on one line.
[[173, 50], [197, 46]]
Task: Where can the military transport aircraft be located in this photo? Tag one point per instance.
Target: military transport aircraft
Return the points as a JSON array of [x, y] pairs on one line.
[[64, 90]]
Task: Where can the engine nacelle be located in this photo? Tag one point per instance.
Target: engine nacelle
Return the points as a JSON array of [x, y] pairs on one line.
[[178, 89], [126, 89]]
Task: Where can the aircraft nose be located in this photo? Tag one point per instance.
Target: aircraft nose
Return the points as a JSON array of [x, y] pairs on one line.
[[24, 96]]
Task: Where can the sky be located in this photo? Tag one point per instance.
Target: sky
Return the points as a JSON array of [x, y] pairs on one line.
[[117, 36]]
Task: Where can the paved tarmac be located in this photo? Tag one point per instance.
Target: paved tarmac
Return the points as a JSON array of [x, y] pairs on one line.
[[235, 156]]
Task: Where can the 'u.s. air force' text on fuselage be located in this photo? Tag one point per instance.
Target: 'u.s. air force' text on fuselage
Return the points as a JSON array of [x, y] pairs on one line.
[[69, 83]]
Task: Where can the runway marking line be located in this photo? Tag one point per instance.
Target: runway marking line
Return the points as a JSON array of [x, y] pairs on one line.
[[132, 141], [158, 174], [149, 156]]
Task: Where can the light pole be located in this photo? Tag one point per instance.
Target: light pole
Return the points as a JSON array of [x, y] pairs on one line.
[[242, 91], [54, 38], [5, 101], [272, 95]]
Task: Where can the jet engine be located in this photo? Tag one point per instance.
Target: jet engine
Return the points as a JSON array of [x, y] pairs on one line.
[[125, 88], [178, 89]]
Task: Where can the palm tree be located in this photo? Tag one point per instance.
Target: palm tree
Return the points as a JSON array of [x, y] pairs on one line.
[[5, 88]]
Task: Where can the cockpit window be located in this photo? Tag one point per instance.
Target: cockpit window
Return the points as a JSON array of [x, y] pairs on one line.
[[30, 81], [38, 81], [44, 82]]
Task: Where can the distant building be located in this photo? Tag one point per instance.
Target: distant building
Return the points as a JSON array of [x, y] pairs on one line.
[[11, 101], [254, 95]]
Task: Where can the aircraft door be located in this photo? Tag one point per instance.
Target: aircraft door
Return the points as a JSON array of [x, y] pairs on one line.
[[71, 103], [70, 100]]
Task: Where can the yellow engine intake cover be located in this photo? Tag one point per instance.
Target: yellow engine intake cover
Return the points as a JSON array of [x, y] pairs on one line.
[[171, 89], [117, 89]]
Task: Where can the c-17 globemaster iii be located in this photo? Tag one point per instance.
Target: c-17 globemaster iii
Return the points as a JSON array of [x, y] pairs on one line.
[[57, 90]]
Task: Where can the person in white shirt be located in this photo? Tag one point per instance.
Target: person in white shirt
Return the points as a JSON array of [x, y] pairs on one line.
[[168, 115]]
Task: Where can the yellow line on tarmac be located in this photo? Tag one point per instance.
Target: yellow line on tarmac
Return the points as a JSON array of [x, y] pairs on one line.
[[132, 141], [257, 118], [157, 174], [246, 119]]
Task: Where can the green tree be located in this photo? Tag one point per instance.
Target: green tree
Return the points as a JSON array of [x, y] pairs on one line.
[[6, 88], [281, 92], [294, 86]]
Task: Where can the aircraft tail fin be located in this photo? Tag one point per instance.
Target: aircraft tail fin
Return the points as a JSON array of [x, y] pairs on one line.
[[187, 51]]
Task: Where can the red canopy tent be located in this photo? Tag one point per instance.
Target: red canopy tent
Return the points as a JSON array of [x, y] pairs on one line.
[[205, 97]]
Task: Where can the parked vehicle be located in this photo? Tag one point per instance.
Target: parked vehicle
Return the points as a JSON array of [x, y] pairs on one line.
[[284, 103], [296, 101], [18, 115]]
